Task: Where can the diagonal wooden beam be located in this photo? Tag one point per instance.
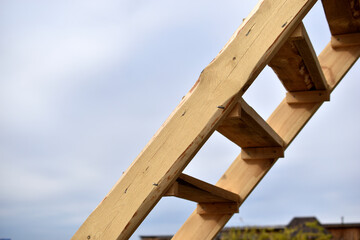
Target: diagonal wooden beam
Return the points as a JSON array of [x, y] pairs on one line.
[[219, 87], [243, 176]]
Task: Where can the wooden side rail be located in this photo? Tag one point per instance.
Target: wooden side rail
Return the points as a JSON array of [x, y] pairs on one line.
[[273, 34], [243, 176]]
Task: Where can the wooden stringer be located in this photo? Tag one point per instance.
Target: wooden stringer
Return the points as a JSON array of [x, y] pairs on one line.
[[273, 34]]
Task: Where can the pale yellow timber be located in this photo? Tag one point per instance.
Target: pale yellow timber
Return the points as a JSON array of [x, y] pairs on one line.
[[287, 120], [296, 64], [219, 87]]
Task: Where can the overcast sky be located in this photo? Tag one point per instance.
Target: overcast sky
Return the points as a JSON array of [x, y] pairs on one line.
[[85, 84]]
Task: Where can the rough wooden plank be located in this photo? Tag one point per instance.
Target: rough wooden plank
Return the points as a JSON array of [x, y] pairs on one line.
[[226, 195], [243, 176], [345, 40], [296, 64], [307, 52], [307, 97], [219, 87], [193, 189], [290, 69], [191, 193], [262, 153], [343, 16], [217, 208], [246, 128]]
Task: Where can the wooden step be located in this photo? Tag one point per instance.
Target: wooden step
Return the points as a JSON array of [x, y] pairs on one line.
[[211, 199], [344, 22], [209, 102], [193, 121], [296, 64], [343, 16], [246, 128]]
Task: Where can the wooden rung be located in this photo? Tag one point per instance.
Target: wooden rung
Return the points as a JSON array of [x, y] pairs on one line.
[[296, 64], [262, 153], [343, 16], [217, 208], [193, 189], [244, 176], [307, 97], [345, 40], [245, 127]]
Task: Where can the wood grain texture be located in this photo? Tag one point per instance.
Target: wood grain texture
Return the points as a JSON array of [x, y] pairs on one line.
[[221, 83], [307, 52], [296, 64], [307, 97], [343, 16], [262, 153], [244, 175], [345, 40], [217, 208], [246, 128], [193, 189]]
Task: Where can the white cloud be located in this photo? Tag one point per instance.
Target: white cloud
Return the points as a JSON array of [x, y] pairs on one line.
[[84, 85]]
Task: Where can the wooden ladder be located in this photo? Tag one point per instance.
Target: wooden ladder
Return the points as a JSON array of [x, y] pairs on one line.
[[273, 34]]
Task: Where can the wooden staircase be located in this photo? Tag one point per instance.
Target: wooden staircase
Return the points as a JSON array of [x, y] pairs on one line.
[[273, 34]]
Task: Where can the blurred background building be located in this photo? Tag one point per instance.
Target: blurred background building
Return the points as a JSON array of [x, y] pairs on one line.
[[308, 227]]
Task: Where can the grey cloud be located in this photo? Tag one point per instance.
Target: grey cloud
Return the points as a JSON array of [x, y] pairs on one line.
[[85, 86]]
